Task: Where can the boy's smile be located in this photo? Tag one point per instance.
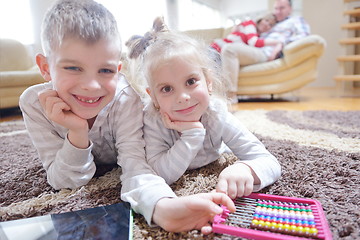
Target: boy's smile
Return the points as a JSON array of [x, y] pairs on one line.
[[85, 75]]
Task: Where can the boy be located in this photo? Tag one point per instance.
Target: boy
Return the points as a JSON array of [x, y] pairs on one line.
[[87, 114]]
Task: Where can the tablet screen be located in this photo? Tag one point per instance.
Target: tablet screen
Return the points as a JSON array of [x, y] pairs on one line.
[[108, 222]]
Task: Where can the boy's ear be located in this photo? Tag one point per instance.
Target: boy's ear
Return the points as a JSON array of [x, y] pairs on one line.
[[43, 65]]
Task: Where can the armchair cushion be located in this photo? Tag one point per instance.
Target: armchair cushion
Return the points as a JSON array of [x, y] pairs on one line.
[[17, 72], [296, 68]]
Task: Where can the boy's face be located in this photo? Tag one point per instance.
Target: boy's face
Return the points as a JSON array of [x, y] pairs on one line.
[[85, 75], [180, 90]]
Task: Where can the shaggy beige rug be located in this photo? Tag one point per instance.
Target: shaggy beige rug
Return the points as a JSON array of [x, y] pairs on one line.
[[319, 152]]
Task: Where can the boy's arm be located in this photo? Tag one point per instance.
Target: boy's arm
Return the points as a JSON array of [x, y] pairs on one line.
[[66, 165]]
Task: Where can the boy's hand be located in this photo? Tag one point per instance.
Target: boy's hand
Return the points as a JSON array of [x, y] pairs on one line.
[[236, 180], [190, 212], [179, 126], [58, 111]]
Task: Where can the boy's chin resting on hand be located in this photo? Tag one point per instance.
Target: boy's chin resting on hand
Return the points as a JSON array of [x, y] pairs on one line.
[[190, 212]]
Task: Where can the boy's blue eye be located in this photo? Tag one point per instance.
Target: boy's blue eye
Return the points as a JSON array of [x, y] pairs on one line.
[[106, 70], [72, 68], [166, 89]]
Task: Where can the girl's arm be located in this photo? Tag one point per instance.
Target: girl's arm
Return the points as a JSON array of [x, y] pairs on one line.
[[250, 151], [168, 153]]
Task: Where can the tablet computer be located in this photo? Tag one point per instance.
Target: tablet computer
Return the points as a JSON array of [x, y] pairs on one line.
[[111, 222]]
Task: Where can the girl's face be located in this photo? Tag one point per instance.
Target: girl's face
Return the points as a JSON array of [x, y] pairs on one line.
[[180, 89], [265, 25]]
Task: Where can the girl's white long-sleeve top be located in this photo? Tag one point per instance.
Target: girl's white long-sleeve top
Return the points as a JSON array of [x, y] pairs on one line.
[[115, 137], [170, 154]]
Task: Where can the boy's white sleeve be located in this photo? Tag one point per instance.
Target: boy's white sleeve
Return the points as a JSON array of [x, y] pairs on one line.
[[66, 165]]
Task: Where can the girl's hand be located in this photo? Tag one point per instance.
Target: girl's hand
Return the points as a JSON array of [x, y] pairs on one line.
[[190, 212], [177, 125], [236, 180]]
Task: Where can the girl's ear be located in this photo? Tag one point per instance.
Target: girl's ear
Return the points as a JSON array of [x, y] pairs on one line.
[[153, 98], [43, 65], [119, 66], [209, 86]]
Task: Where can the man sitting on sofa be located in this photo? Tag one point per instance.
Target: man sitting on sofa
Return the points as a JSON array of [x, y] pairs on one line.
[[289, 28]]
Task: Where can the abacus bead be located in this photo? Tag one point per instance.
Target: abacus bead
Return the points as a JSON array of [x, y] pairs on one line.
[[274, 225], [267, 225], [300, 229], [313, 231], [286, 226], [254, 223]]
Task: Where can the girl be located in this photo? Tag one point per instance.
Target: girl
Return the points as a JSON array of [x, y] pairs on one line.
[[187, 125], [243, 47], [248, 32]]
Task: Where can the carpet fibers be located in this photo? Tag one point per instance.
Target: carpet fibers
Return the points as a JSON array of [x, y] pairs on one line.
[[319, 152]]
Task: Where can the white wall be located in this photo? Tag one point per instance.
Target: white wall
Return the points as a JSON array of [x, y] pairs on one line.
[[239, 7], [324, 18], [38, 9]]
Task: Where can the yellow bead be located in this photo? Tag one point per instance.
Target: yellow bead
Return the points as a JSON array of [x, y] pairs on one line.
[[255, 222], [300, 229], [293, 227], [286, 226], [313, 230]]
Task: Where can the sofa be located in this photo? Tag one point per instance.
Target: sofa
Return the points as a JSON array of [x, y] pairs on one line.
[[295, 69], [17, 72]]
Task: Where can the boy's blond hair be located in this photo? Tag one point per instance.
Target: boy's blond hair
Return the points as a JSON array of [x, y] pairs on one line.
[[86, 20]]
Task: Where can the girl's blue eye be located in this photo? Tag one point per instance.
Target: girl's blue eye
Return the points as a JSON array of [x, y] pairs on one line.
[[166, 89]]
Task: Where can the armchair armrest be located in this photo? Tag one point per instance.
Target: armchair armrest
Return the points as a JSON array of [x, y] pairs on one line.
[[20, 78], [307, 47]]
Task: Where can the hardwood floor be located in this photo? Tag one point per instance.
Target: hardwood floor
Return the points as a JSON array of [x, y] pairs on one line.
[[303, 99]]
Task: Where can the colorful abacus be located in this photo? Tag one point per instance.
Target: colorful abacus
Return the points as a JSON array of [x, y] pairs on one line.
[[277, 217]]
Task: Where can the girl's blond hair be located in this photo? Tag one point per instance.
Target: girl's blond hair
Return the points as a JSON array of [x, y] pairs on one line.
[[159, 46]]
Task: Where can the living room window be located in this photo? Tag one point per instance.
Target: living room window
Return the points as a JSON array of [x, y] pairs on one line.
[[16, 21]]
